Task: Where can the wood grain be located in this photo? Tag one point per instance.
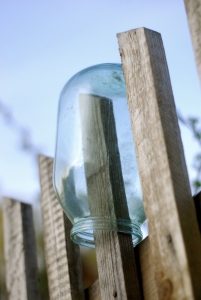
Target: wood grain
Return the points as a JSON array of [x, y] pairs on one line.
[[20, 251], [173, 231], [107, 199], [193, 10], [63, 260]]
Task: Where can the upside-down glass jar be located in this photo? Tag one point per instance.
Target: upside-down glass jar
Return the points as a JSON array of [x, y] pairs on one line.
[[95, 172]]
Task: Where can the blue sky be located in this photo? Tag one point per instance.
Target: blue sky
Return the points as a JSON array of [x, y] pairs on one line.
[[44, 43]]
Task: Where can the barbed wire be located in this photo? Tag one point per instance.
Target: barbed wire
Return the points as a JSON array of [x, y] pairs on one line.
[[26, 142]]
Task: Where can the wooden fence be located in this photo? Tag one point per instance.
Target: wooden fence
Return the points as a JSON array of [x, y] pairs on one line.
[[167, 264]]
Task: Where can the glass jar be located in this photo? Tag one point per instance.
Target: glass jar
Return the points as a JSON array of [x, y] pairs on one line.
[[95, 172]]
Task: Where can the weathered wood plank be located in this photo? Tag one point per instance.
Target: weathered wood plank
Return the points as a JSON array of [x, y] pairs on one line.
[[20, 251], [193, 10], [63, 260], [107, 199], [173, 231]]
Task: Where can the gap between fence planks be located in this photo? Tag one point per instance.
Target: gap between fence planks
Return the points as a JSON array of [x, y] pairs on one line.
[[63, 259], [107, 199], [173, 231], [193, 10], [20, 251], [197, 201]]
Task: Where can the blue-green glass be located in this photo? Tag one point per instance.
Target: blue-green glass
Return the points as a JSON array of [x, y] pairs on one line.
[[105, 80]]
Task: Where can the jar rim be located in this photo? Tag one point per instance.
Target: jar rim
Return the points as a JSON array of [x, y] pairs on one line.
[[82, 231]]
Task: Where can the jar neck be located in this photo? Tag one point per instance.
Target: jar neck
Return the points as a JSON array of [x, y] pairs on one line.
[[82, 231]]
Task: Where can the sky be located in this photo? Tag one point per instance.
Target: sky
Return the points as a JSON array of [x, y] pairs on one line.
[[44, 43]]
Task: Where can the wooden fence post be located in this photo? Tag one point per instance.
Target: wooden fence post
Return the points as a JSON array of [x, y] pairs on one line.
[[193, 10], [173, 230], [20, 251], [107, 199], [63, 259]]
